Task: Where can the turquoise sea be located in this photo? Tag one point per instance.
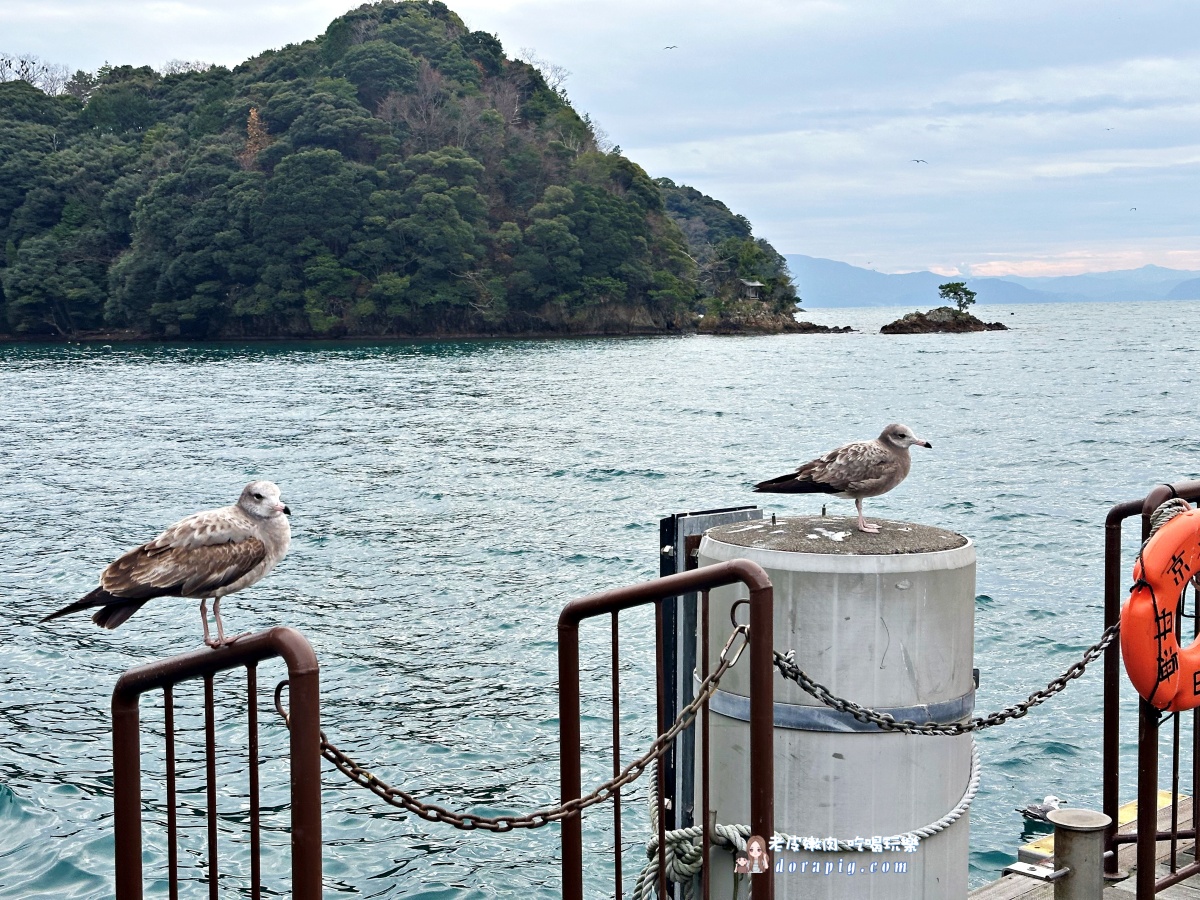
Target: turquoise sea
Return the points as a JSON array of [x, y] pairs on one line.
[[448, 498]]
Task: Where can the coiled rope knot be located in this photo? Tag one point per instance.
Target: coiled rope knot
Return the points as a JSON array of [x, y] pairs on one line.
[[1166, 511]]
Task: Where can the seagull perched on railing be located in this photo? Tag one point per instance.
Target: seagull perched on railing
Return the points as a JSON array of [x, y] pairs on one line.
[[858, 470], [207, 555]]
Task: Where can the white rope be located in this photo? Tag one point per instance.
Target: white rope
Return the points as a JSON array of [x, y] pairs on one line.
[[1166, 511], [683, 853]]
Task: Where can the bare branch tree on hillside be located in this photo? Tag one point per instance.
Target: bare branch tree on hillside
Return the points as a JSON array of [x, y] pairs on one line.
[[181, 66], [51, 78], [466, 120], [505, 97], [424, 111], [553, 74]]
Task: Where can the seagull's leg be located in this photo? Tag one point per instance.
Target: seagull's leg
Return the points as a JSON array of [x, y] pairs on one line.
[[221, 639], [863, 524], [220, 627], [204, 620]]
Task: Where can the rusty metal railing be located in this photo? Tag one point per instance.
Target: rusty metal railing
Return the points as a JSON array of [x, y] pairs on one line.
[[1147, 835], [762, 778], [305, 757]]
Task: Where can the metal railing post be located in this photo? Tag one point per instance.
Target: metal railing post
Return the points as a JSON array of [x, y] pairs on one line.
[[304, 695], [762, 726]]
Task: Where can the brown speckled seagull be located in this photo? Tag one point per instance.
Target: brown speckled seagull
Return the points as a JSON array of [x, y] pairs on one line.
[[858, 470], [207, 555]]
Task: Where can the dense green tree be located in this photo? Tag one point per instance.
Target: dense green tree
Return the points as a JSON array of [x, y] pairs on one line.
[[958, 293], [399, 176], [378, 68]]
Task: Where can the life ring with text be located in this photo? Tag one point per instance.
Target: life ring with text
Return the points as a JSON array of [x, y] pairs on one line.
[[1165, 674]]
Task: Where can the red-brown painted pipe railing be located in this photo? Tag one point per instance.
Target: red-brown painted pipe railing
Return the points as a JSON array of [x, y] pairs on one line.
[[303, 693], [762, 668], [1147, 834]]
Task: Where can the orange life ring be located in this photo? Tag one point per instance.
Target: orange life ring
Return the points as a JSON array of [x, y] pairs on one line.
[[1165, 674]]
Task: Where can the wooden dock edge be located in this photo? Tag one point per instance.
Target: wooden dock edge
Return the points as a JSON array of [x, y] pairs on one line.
[[1018, 887]]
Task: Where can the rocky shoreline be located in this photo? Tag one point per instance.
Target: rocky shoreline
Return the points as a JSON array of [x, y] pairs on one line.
[[614, 322]]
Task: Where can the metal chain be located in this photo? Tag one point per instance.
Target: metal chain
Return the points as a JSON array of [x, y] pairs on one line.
[[787, 666], [469, 821]]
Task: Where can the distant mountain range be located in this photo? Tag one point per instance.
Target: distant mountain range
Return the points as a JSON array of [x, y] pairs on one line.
[[826, 282]]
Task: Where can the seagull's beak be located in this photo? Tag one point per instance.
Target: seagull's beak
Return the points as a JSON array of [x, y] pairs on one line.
[[283, 509], [925, 444]]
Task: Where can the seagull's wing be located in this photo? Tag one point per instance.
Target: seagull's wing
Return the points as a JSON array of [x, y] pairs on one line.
[[192, 558], [213, 526], [181, 571], [851, 468]]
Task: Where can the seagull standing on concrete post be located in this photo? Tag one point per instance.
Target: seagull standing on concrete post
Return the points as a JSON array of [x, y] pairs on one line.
[[207, 555], [858, 470]]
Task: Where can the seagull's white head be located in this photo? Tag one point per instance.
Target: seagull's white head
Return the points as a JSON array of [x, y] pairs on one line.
[[902, 436], [261, 499], [1051, 802]]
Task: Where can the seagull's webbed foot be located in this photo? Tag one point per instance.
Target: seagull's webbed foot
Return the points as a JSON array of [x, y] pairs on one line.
[[863, 525], [221, 640]]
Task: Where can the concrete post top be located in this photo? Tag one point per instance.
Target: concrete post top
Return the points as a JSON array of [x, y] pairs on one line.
[[837, 535], [1078, 819]]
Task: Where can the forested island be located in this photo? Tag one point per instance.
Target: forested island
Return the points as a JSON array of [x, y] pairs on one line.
[[396, 176]]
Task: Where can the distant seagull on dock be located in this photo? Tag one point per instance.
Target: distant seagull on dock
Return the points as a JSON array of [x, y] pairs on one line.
[[858, 470], [1036, 812], [207, 555]]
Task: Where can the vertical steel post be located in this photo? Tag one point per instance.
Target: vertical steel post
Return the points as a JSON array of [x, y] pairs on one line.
[[127, 795], [304, 695], [762, 728], [616, 720], [210, 769], [1147, 799], [172, 811], [1111, 759], [569, 740], [252, 777]]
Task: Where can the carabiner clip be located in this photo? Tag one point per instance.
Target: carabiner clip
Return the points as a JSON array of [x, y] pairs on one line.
[[744, 631]]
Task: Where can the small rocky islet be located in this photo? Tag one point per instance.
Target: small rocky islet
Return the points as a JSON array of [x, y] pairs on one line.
[[942, 320]]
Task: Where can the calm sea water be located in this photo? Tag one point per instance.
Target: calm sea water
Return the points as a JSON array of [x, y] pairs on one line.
[[449, 498]]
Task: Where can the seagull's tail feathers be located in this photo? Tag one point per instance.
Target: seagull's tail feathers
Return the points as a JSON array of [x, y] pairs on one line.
[[113, 610], [115, 613], [790, 484], [98, 597]]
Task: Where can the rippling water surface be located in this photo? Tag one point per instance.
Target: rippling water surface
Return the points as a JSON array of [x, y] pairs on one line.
[[449, 498]]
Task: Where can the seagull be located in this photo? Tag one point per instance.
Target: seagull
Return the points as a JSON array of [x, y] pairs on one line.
[[671, 47], [858, 470], [920, 161], [207, 555], [1036, 812], [1133, 209]]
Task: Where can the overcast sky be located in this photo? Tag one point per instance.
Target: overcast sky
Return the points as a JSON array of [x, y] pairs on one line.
[[1058, 137]]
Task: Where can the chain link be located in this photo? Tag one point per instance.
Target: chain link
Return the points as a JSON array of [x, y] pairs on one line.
[[469, 821], [788, 668]]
